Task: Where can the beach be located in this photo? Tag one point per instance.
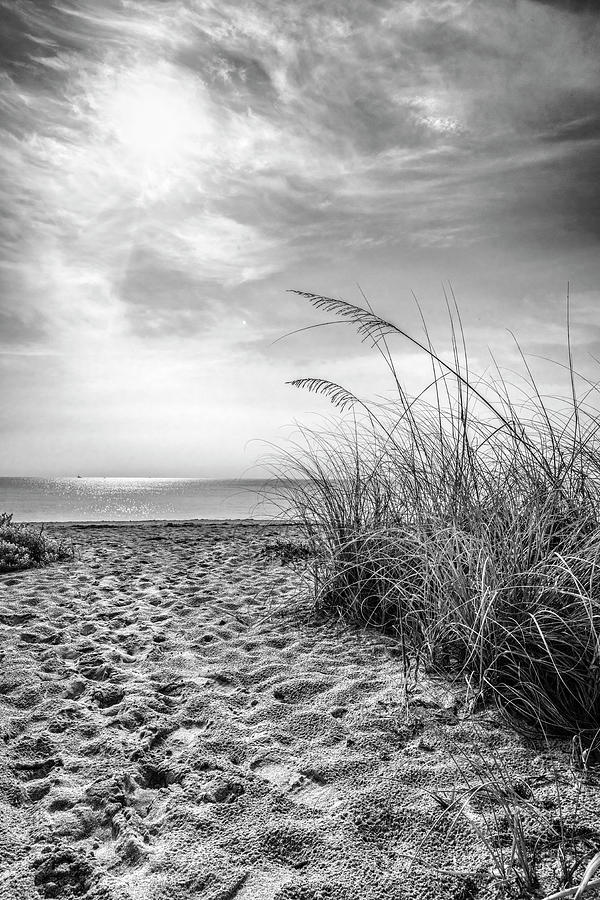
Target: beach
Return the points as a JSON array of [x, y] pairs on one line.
[[177, 723]]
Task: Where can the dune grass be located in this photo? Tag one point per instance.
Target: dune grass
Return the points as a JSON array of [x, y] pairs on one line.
[[24, 547], [464, 522]]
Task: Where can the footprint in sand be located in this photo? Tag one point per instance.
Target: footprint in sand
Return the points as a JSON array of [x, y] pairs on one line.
[[157, 771], [63, 872], [222, 789], [108, 696], [30, 770], [305, 787], [312, 790], [170, 689], [151, 735], [29, 637], [132, 836], [12, 619], [97, 669]]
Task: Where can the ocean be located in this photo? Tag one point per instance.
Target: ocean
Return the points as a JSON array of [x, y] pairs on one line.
[[84, 499]]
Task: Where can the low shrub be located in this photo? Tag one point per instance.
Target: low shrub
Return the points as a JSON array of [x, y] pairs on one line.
[[25, 546]]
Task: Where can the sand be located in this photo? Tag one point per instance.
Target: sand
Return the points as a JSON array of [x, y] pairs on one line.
[[177, 724]]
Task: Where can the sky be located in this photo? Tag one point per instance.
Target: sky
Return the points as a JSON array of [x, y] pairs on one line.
[[169, 169]]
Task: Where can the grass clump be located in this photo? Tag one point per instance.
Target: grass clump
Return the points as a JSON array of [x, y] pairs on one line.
[[464, 521], [24, 547]]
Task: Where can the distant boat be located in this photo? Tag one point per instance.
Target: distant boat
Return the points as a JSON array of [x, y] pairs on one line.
[[79, 476]]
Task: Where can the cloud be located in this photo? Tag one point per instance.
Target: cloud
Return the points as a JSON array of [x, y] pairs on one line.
[[169, 167], [235, 137], [572, 6], [16, 331]]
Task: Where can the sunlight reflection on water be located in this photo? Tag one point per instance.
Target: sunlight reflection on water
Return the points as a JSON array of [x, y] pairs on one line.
[[85, 499]]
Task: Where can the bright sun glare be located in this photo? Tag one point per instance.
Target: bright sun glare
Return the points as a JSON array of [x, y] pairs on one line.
[[156, 122]]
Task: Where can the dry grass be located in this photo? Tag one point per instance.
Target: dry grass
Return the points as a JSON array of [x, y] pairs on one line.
[[529, 826]]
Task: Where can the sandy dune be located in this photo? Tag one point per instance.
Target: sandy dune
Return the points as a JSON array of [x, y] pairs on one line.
[[173, 729]]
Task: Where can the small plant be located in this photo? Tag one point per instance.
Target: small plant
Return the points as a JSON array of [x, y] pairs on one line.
[[288, 552], [23, 546], [527, 826], [585, 754], [492, 804]]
